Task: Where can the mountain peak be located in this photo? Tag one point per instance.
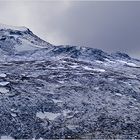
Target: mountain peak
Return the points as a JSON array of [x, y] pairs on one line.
[[6, 27], [15, 39]]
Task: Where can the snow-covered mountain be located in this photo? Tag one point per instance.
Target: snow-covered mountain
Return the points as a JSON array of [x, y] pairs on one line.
[[17, 39], [18, 43], [58, 92]]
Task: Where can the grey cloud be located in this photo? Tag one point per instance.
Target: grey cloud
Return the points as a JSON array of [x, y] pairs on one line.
[[109, 25]]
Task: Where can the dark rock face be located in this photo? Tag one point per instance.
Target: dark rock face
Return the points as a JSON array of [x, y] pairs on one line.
[[58, 92]]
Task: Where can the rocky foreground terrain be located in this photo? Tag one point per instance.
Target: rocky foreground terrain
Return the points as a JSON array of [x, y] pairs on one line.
[[65, 92]]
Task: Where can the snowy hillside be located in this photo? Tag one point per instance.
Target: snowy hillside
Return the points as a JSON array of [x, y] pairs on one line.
[[17, 39], [58, 92]]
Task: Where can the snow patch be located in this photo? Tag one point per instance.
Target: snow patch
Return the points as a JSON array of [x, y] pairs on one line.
[[127, 63], [4, 83], [61, 82], [3, 75], [74, 66], [118, 94], [3, 90], [109, 61], [100, 62], [87, 68], [121, 61], [99, 70], [96, 88], [13, 114], [131, 64], [6, 138], [49, 115], [26, 45], [96, 70], [56, 101]]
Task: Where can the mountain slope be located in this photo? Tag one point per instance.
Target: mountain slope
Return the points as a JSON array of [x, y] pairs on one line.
[[59, 92], [15, 39]]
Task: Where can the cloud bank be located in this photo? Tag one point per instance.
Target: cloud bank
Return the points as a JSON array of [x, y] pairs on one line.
[[108, 25]]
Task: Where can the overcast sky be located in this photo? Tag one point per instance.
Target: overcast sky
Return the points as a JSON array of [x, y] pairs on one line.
[[111, 26]]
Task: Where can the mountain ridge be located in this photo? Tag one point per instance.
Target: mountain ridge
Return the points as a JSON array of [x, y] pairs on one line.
[[15, 41]]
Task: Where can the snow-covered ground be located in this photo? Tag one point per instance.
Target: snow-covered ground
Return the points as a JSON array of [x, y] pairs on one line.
[[65, 92]]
